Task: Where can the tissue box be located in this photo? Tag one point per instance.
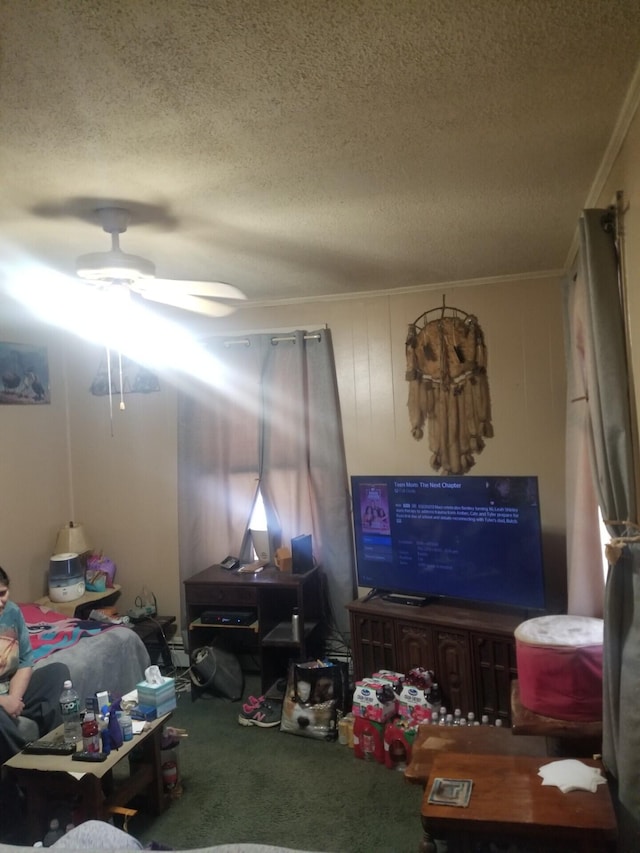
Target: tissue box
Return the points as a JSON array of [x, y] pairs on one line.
[[162, 696]]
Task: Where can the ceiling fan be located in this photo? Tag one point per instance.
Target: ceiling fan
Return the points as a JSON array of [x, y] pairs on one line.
[[117, 268]]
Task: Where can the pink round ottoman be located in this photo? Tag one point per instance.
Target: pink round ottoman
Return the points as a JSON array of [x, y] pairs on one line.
[[559, 662]]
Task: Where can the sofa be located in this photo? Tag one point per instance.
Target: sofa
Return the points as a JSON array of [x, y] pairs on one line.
[[97, 835]]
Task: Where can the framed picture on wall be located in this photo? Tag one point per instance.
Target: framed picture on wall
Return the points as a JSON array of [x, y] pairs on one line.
[[24, 375]]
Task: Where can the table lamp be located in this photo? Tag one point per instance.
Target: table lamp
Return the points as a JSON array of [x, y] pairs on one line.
[[72, 539]]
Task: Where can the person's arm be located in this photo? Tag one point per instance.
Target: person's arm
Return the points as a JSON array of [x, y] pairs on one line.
[[12, 701]]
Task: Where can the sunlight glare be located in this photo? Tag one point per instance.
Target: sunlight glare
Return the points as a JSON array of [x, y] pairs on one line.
[[109, 317]]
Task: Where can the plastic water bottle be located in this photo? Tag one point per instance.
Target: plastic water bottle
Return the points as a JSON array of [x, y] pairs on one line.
[[295, 625], [126, 724], [434, 698], [54, 832], [368, 747], [70, 710]]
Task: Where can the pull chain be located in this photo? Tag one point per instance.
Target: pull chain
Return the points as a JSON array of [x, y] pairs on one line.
[[122, 406], [110, 390]]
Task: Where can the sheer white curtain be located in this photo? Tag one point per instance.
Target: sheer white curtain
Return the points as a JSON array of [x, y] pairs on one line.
[[585, 581], [269, 420]]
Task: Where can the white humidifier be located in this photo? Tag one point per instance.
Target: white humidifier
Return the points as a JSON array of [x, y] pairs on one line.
[[66, 578]]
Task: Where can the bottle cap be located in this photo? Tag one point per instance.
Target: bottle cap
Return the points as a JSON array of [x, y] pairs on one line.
[[67, 685]]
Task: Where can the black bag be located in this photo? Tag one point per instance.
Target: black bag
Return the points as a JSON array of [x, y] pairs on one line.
[[217, 671], [315, 699]]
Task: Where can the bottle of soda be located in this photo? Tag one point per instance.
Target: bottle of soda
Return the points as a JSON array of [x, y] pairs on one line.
[[90, 733], [70, 710]]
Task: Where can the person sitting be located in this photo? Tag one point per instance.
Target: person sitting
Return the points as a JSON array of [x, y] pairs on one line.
[[23, 691]]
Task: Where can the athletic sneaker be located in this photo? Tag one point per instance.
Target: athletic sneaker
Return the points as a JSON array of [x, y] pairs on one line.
[[266, 715], [252, 703]]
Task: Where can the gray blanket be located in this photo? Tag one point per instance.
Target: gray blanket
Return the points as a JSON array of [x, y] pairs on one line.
[[114, 660]]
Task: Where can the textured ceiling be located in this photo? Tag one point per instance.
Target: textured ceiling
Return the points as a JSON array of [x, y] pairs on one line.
[[306, 147]]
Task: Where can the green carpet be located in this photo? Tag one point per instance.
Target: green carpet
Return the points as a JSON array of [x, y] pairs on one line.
[[247, 784]]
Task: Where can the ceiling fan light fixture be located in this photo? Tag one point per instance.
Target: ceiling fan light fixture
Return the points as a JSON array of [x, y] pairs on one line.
[[114, 266], [117, 270]]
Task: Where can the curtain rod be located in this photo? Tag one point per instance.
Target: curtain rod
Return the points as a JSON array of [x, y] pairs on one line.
[[275, 340]]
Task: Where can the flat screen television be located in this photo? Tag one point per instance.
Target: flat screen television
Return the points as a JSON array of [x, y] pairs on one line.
[[472, 538]]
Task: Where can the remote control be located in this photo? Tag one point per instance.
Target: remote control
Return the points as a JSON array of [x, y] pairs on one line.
[[89, 756], [50, 747]]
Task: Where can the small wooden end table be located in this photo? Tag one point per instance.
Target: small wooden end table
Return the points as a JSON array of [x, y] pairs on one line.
[[81, 607], [432, 741], [508, 800], [564, 737]]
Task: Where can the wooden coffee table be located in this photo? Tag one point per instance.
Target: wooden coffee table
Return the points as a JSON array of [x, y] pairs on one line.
[[432, 741], [509, 801], [46, 778]]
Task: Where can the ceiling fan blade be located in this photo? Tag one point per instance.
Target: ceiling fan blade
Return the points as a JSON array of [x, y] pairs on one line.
[[210, 289], [211, 298], [196, 304]]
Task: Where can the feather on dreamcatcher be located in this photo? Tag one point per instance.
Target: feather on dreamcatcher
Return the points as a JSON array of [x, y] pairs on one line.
[[448, 387]]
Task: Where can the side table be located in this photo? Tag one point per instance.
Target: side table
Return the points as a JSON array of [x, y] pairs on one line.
[[564, 737], [44, 777], [432, 741], [81, 607], [509, 801], [153, 633], [269, 597]]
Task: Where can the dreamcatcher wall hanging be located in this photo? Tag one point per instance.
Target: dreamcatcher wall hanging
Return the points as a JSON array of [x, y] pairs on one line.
[[449, 387]]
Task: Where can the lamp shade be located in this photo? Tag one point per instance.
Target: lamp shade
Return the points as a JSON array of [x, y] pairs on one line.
[[72, 539]]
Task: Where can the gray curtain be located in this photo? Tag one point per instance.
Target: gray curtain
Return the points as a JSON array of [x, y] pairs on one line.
[[607, 419], [268, 418]]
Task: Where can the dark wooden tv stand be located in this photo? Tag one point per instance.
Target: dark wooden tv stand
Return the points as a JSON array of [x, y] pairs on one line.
[[471, 650]]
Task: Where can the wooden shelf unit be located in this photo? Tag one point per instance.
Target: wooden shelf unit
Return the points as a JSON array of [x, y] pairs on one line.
[[273, 595], [472, 651]]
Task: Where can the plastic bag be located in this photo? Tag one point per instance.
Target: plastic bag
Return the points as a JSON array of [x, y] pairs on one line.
[[315, 699], [100, 563]]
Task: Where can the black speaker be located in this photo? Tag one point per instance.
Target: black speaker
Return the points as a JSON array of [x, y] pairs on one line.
[[301, 554]]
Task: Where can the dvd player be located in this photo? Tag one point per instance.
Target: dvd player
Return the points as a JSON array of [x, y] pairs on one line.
[[228, 617]]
